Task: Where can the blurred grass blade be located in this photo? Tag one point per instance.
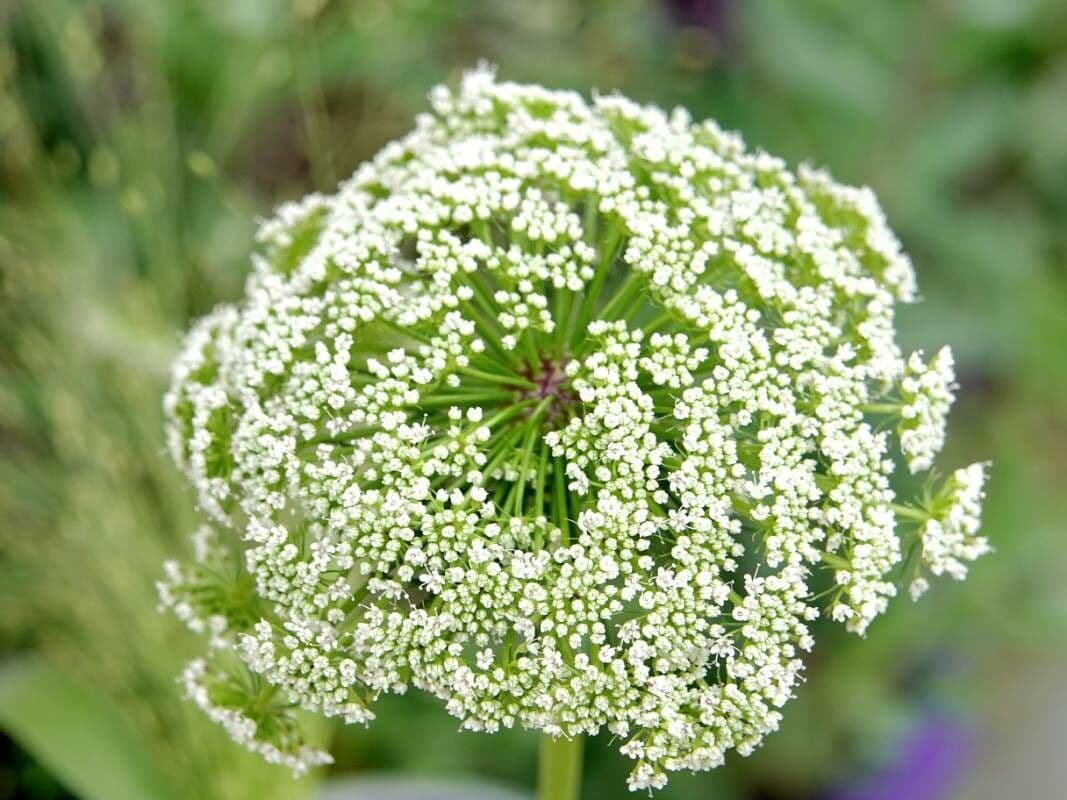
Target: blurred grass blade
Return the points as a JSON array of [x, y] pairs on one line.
[[75, 733], [402, 787]]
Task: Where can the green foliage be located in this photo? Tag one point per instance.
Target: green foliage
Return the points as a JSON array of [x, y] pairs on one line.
[[76, 733], [138, 140]]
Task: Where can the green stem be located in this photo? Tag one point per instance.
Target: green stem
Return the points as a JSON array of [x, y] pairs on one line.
[[418, 337], [488, 332], [608, 255], [539, 489], [464, 400], [559, 502], [559, 768], [625, 292], [524, 464], [507, 413], [881, 408], [907, 512], [532, 356], [564, 300], [492, 377], [500, 453], [657, 323]]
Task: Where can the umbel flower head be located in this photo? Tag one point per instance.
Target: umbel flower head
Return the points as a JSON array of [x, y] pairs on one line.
[[572, 414]]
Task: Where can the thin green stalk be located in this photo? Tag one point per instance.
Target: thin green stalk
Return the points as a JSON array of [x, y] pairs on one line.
[[532, 356], [349, 436], [590, 218], [487, 363], [559, 768], [534, 424], [407, 332], [559, 502], [881, 408], [907, 512], [500, 453], [483, 294], [592, 293], [490, 336], [657, 323], [481, 228], [494, 377], [631, 285], [539, 491], [564, 302], [462, 400], [506, 414]]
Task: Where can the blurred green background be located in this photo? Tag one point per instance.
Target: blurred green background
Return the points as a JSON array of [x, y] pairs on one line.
[[140, 139]]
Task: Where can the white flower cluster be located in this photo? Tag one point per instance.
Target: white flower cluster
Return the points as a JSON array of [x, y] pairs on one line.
[[274, 737], [926, 390], [949, 536], [562, 412]]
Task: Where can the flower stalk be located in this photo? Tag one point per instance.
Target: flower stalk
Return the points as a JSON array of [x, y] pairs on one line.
[[559, 768]]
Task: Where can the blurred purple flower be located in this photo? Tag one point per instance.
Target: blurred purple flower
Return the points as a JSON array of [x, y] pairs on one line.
[[712, 14], [929, 766]]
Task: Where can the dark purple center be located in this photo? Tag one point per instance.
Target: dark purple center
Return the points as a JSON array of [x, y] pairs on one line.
[[551, 382]]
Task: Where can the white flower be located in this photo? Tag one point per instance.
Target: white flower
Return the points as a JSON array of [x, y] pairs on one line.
[[926, 391], [950, 537], [918, 587], [503, 418]]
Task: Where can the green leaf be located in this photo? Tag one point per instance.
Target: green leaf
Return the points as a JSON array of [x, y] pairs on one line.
[[76, 733]]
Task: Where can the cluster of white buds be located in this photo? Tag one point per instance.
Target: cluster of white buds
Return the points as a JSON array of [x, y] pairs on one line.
[[572, 414], [927, 392], [949, 537]]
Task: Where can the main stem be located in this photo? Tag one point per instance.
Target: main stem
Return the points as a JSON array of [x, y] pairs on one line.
[[559, 768]]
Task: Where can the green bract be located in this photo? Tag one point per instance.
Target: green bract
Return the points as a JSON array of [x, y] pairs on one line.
[[563, 412]]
